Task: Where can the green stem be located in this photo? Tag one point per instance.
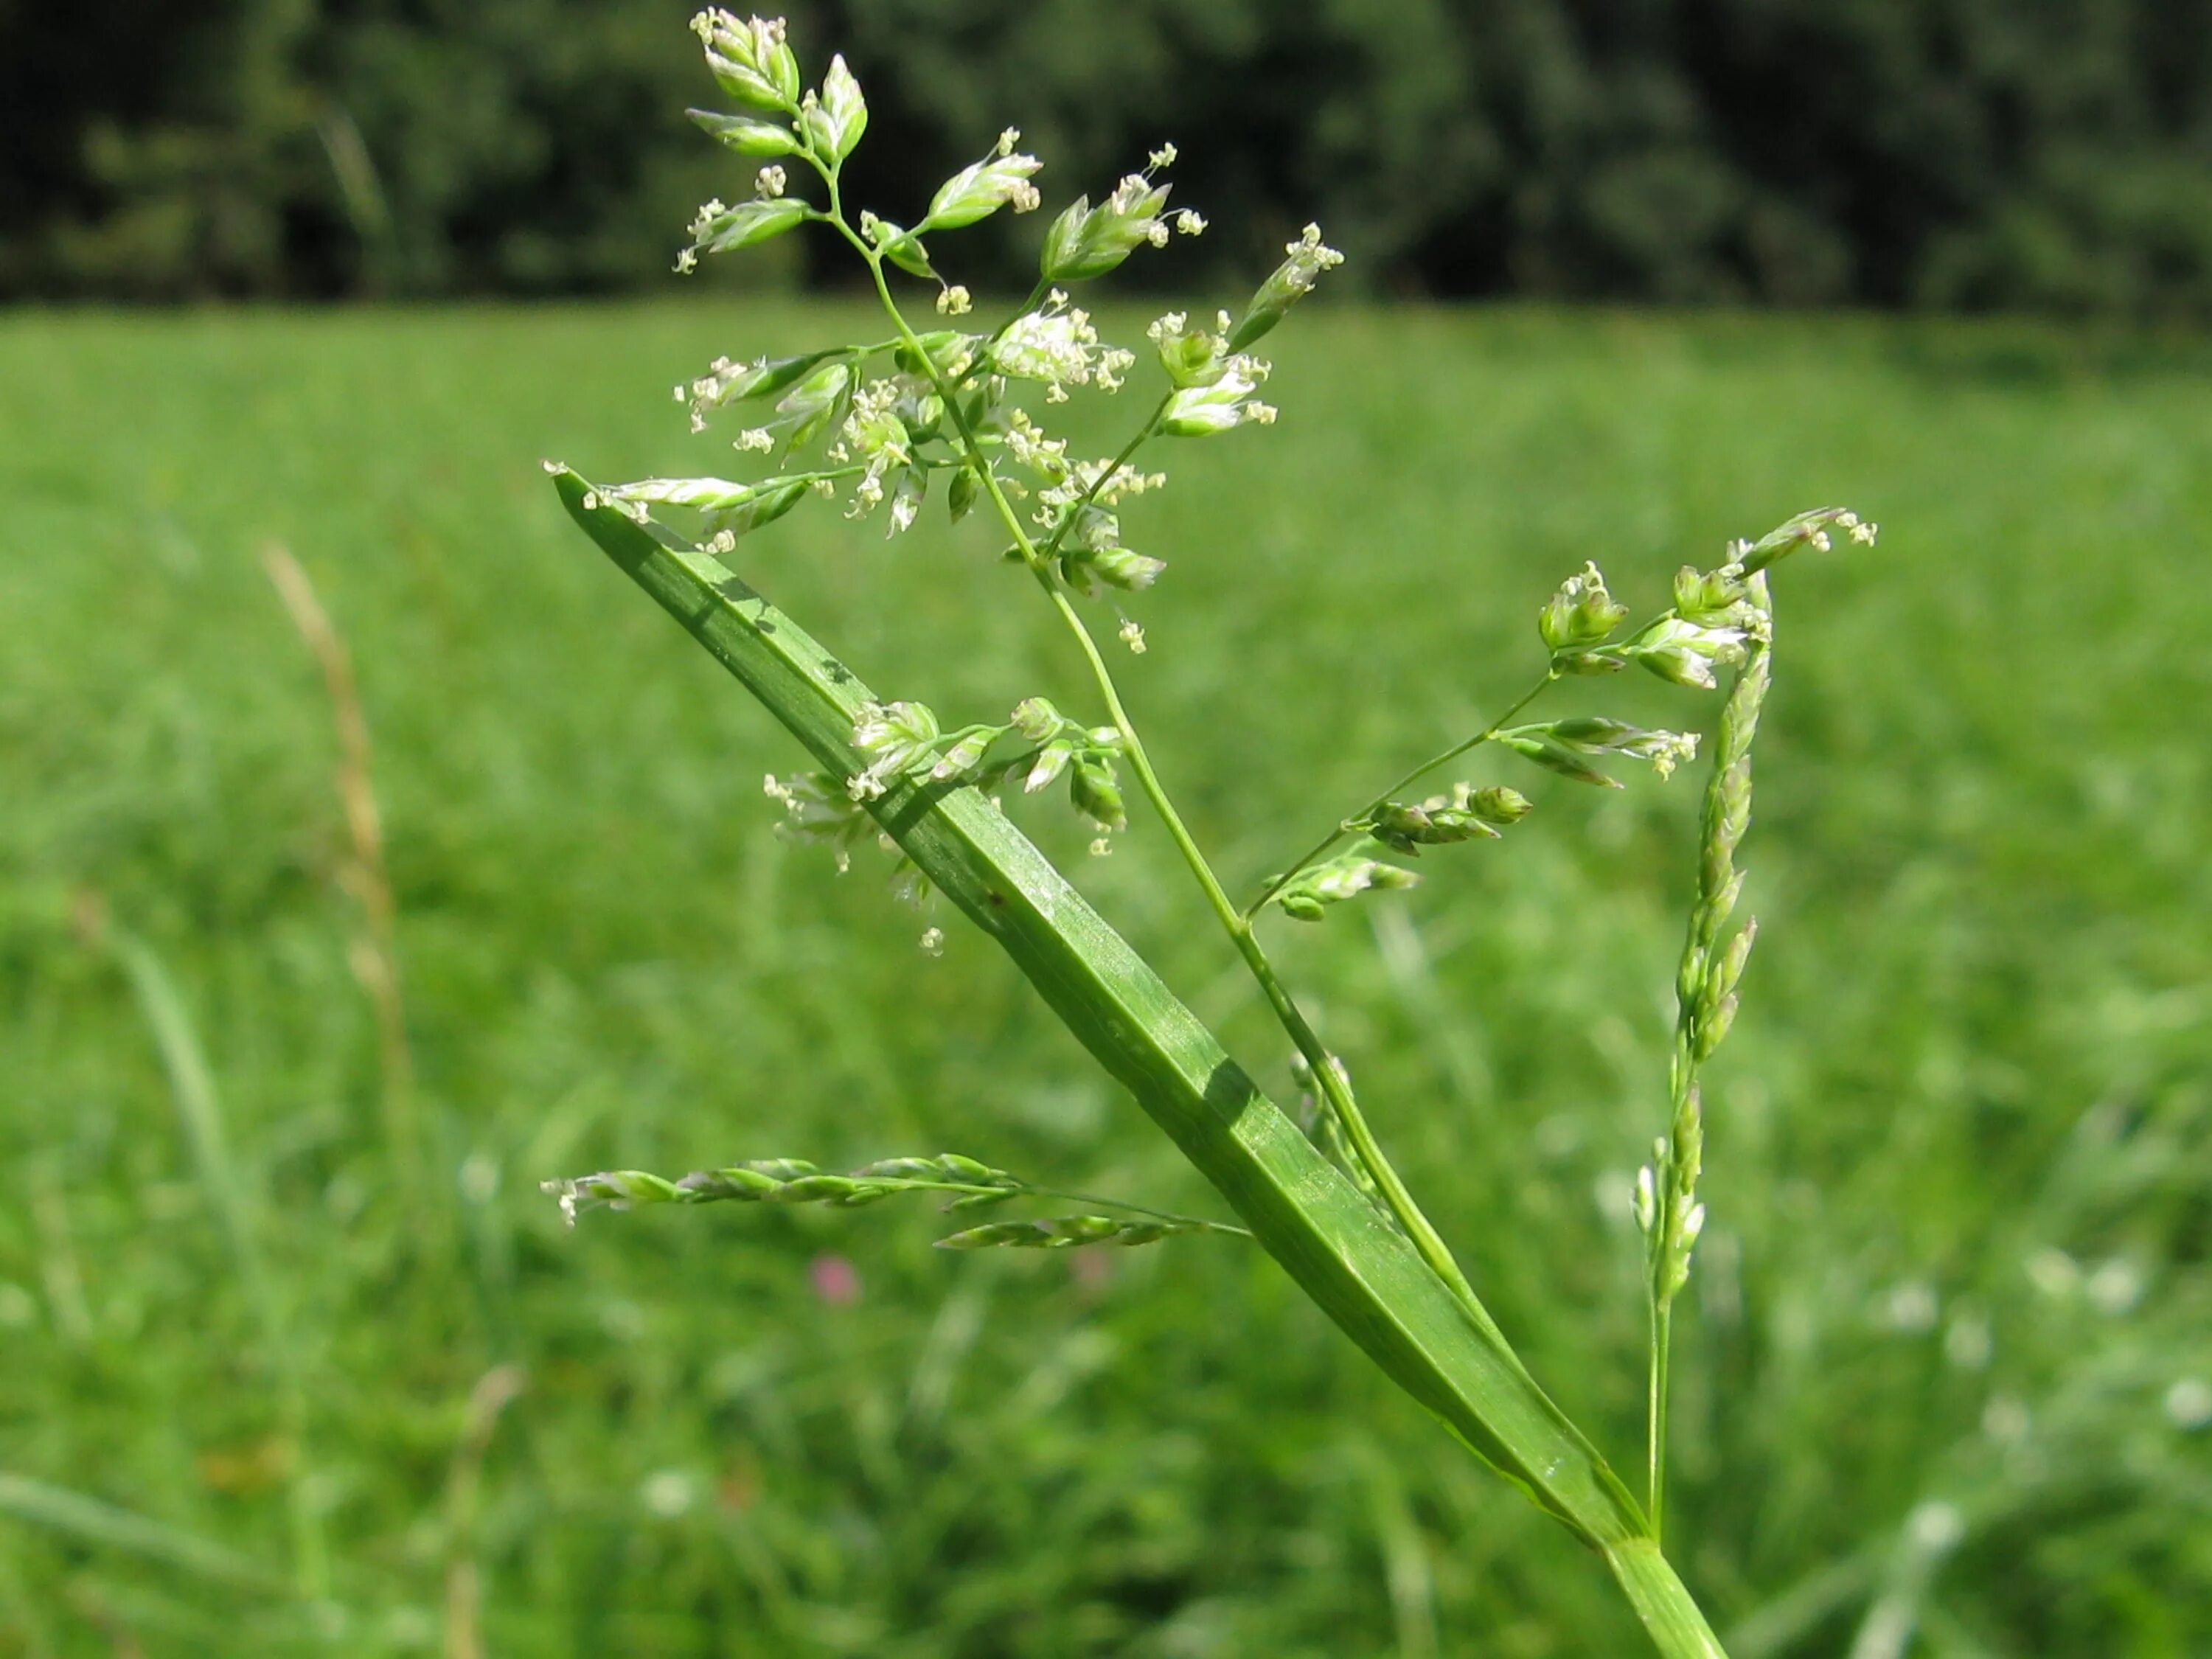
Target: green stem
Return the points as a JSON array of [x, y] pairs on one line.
[[1345, 826], [1669, 1613], [1663, 1340]]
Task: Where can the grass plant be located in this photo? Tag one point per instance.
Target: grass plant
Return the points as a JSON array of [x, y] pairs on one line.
[[890, 415]]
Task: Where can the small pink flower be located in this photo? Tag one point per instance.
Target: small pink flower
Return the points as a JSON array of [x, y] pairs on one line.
[[835, 1280]]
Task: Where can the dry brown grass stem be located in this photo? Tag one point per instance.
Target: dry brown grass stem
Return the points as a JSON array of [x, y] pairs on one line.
[[494, 1390], [374, 952]]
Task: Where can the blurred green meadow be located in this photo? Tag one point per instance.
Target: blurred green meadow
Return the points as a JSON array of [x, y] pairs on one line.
[[1945, 1373]]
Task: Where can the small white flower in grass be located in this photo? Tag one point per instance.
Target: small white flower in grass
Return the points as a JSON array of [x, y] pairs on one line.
[[1133, 637], [769, 183], [933, 942], [1164, 156], [2006, 1420], [2189, 1404], [668, 1493], [1190, 222], [1008, 139], [2054, 1273], [686, 262], [1936, 1527], [2116, 1287], [1912, 1308], [1101, 848], [1966, 1342], [754, 438], [954, 301]]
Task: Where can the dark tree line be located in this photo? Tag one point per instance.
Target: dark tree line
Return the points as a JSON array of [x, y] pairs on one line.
[[2041, 154]]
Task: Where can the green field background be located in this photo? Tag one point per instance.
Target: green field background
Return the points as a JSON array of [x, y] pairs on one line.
[[1941, 1371]]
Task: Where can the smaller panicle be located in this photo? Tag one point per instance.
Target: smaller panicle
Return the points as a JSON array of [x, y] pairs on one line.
[[1686, 653], [1214, 387], [819, 811], [1222, 404], [727, 382], [746, 134], [749, 60], [1308, 895], [729, 509], [981, 188], [834, 118], [1466, 814], [1070, 1231], [720, 229], [1086, 242], [1582, 613], [1810, 529], [1565, 746], [966, 1183], [1061, 747], [897, 739], [1288, 283], [1667, 1208]]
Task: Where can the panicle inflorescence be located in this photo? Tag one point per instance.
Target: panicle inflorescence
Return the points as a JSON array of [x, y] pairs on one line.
[[966, 1183], [1066, 1232], [1308, 895], [904, 740], [948, 407], [1667, 1205]]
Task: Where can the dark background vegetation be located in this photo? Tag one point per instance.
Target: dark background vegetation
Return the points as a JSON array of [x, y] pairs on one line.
[[1954, 153]]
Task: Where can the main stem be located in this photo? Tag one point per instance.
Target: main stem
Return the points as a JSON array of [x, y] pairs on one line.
[[1330, 1079]]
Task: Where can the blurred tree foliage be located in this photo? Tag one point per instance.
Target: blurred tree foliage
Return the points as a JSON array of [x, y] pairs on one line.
[[2047, 154]]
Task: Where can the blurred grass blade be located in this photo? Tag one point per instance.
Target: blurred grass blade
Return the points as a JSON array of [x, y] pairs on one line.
[[1326, 1235], [192, 1082], [71, 1513]]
